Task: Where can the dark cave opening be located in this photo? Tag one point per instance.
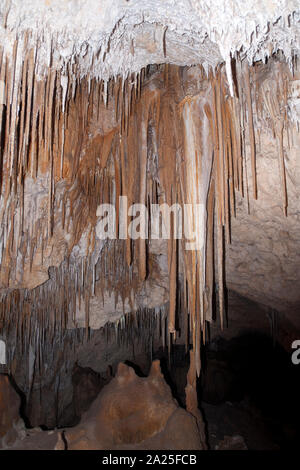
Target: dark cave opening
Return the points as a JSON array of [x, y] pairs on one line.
[[252, 374], [247, 383]]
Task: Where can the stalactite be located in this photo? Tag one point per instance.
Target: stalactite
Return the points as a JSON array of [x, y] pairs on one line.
[[142, 260], [282, 171], [209, 276], [274, 96], [251, 128]]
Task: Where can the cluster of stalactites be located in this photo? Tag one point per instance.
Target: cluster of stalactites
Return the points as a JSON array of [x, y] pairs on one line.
[[37, 327], [149, 151], [34, 124]]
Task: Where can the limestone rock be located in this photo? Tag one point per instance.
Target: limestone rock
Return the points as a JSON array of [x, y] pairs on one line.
[[134, 412], [262, 261]]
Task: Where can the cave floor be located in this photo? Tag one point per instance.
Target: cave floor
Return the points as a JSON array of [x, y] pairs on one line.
[[232, 426], [36, 439]]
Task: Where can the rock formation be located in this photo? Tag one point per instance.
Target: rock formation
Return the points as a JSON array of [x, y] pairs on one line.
[[134, 413], [173, 104]]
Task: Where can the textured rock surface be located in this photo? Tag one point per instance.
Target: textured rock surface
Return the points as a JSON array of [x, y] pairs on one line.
[[151, 294], [263, 259], [11, 425], [135, 412], [127, 35]]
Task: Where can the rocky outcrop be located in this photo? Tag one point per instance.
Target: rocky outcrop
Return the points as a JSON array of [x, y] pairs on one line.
[[134, 412]]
